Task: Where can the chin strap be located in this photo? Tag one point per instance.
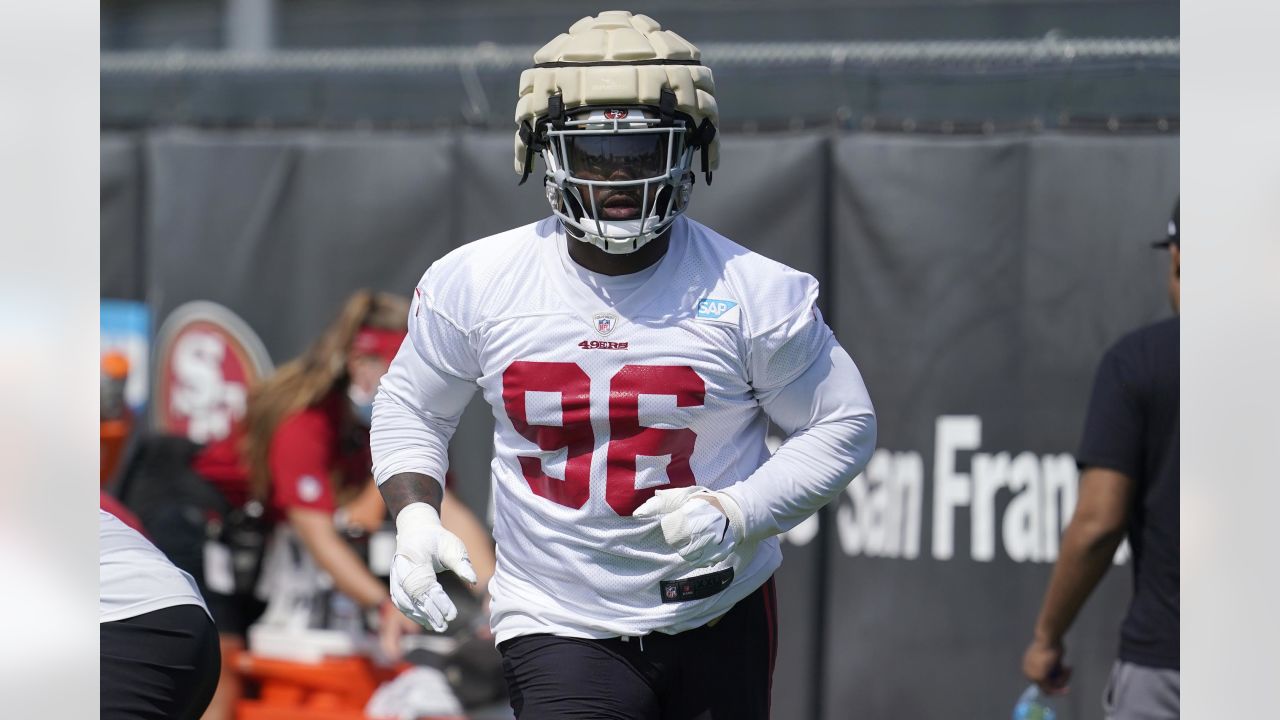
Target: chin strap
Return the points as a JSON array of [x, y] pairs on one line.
[[701, 139], [534, 141], [532, 146]]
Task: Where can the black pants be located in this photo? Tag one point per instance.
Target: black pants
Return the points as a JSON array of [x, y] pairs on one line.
[[715, 672], [162, 664]]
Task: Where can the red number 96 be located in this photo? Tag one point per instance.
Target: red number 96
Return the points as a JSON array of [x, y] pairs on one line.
[[627, 437]]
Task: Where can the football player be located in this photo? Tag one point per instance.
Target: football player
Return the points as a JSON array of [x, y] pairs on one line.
[[633, 359]]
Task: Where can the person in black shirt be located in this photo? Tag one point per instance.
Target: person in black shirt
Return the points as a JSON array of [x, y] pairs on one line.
[[1128, 486]]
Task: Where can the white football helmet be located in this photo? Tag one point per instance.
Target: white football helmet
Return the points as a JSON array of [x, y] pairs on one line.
[[617, 108]]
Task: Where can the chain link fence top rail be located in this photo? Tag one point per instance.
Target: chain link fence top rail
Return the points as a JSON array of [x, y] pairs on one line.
[[495, 58], [919, 85]]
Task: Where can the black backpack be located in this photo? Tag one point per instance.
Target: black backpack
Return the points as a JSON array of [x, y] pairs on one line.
[[179, 508]]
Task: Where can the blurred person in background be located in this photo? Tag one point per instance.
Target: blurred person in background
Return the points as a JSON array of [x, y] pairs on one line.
[[159, 657], [303, 454], [633, 359], [1128, 486]]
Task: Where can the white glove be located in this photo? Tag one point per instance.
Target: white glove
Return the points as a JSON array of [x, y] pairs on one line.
[[702, 534], [424, 548]]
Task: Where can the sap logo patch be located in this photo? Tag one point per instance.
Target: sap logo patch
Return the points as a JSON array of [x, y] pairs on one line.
[[713, 309]]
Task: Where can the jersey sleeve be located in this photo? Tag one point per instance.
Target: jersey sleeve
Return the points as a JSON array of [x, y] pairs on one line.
[[437, 336], [423, 394], [790, 341], [830, 425], [299, 461], [1112, 436]]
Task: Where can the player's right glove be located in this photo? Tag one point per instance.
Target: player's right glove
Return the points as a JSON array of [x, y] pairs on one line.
[[424, 548]]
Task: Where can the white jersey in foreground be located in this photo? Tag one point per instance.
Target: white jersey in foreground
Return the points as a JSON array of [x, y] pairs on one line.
[[135, 578], [599, 404]]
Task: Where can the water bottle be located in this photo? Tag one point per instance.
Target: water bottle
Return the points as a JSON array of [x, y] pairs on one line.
[[345, 615], [245, 534], [1033, 705], [114, 376]]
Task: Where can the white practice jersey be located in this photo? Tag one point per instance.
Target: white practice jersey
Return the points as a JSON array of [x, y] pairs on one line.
[[597, 405], [134, 578]]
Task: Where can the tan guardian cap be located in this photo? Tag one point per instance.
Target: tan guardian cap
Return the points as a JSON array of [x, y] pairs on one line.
[[617, 58]]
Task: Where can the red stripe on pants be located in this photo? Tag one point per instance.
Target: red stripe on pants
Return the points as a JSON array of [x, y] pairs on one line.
[[771, 620]]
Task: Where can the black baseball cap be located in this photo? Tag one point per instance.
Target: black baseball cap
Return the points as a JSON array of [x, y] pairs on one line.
[[1172, 237]]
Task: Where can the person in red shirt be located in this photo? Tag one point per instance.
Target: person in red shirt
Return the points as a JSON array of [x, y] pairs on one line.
[[304, 454]]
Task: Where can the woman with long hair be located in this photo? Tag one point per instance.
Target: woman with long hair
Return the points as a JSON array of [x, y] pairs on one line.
[[305, 445]]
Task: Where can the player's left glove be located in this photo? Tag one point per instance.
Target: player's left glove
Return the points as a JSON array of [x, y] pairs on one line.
[[701, 533]]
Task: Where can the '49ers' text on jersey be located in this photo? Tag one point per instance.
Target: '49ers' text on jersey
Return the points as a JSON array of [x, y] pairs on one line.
[[598, 404]]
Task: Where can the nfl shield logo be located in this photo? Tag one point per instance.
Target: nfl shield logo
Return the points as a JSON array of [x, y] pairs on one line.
[[670, 592], [604, 324]]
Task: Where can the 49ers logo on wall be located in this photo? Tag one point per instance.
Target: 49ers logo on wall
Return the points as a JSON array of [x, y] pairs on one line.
[[206, 360]]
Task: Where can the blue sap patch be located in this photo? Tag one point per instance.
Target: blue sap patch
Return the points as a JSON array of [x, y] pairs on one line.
[[713, 309]]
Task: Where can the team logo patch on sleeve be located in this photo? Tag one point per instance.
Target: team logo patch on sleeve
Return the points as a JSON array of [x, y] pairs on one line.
[[309, 489]]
